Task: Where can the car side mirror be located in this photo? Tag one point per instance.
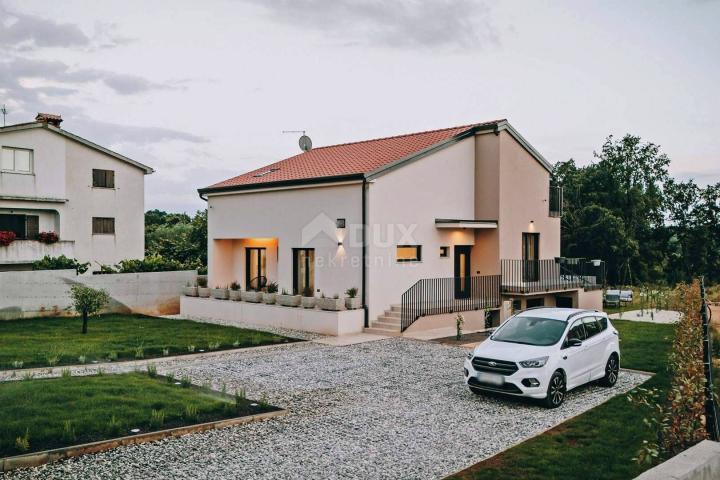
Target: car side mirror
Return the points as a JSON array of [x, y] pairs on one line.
[[574, 342]]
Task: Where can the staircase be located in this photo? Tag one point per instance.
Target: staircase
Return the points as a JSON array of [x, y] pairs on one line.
[[387, 323]]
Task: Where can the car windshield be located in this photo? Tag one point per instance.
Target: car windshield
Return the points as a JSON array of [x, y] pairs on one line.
[[530, 331]]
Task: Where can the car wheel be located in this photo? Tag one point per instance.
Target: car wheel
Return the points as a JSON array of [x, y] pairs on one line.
[[612, 370], [556, 390]]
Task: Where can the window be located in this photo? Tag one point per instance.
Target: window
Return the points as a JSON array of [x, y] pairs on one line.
[[25, 227], [303, 270], [444, 252], [577, 332], [591, 326], [602, 321], [530, 256], [103, 226], [409, 253], [103, 178], [16, 160], [535, 302], [255, 268]]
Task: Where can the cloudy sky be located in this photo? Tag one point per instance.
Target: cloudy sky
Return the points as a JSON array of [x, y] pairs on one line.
[[201, 91]]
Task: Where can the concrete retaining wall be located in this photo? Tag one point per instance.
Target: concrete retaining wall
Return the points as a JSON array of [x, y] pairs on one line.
[[238, 313], [700, 462], [46, 292]]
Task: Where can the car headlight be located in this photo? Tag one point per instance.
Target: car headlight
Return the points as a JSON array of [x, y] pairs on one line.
[[470, 356], [534, 362]]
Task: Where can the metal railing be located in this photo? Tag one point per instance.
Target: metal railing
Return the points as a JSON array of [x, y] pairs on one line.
[[531, 276], [433, 296], [555, 201]]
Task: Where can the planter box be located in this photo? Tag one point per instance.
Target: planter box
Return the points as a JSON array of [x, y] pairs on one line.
[[288, 300], [203, 292], [308, 302], [235, 295], [251, 296], [353, 303], [219, 293], [334, 304], [269, 298], [190, 291]]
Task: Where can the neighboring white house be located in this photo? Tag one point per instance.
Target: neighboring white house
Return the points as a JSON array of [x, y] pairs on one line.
[[436, 222], [54, 181]]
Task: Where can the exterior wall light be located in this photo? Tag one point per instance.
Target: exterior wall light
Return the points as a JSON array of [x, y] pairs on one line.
[[340, 223], [340, 244]]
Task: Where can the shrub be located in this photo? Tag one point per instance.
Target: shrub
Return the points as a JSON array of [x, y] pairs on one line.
[[112, 356], [68, 434], [152, 370], [152, 263], [140, 351], [191, 412], [6, 238], [23, 443], [271, 287], [157, 418], [235, 286], [60, 263], [185, 381], [66, 373], [351, 292], [48, 237], [459, 321], [18, 364], [114, 426], [202, 282], [88, 301]]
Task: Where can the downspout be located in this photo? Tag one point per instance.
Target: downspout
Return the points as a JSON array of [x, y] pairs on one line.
[[364, 253]]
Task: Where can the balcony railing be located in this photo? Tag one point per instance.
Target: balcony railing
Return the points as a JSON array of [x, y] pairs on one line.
[[28, 251], [555, 201], [534, 276], [433, 296]]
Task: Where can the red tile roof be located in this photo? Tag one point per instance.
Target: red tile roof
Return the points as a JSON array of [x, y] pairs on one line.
[[345, 159]]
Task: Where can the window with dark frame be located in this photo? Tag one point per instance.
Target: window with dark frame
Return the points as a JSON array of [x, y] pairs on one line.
[[25, 227], [409, 253], [103, 178], [103, 226], [444, 252]]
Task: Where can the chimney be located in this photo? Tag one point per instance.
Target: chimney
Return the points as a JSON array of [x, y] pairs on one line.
[[49, 118]]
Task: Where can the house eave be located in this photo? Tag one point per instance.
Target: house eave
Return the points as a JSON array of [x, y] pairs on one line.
[[281, 184], [459, 223]]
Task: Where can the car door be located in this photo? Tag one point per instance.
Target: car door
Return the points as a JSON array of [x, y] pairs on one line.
[[575, 359], [595, 344]]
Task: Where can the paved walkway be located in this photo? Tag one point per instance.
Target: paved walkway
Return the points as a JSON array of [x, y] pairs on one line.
[[660, 316], [394, 408]]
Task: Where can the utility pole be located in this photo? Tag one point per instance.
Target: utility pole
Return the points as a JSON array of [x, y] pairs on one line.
[[711, 420], [4, 112]]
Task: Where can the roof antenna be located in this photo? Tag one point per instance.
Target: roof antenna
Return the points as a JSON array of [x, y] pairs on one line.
[[304, 142], [4, 112]]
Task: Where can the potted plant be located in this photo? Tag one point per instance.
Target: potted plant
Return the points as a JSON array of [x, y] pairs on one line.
[[352, 301], [6, 238], [287, 300], [308, 298], [252, 296], [220, 293], [270, 293], [235, 291], [190, 290], [203, 290], [48, 237], [334, 304]]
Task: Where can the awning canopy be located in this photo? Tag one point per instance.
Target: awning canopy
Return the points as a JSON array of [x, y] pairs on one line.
[[457, 223]]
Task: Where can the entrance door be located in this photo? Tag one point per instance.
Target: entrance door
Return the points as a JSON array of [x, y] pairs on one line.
[[531, 256], [255, 268], [303, 270], [462, 271]]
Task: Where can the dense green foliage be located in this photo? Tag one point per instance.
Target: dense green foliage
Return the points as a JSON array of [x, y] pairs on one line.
[[626, 209], [151, 263], [177, 236], [600, 443], [40, 342], [59, 412], [60, 263]]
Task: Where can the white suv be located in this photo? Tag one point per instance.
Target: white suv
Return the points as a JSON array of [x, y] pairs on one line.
[[544, 352]]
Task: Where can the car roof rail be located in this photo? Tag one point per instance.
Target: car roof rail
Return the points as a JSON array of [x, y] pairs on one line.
[[533, 308], [580, 312]]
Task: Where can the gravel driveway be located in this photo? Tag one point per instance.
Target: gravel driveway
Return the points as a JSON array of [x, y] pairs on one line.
[[394, 408]]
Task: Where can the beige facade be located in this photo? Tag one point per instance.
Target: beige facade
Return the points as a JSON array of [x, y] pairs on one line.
[[58, 190]]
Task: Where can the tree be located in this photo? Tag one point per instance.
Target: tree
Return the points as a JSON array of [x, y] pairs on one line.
[[88, 301], [177, 236]]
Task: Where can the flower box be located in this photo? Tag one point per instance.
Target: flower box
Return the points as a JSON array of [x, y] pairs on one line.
[[308, 302], [219, 293], [333, 304], [353, 303], [190, 291], [268, 298], [251, 296], [203, 292], [288, 300], [235, 295]]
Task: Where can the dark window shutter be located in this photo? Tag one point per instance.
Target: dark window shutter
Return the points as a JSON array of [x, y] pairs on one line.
[[110, 178], [110, 225], [32, 226], [97, 178]]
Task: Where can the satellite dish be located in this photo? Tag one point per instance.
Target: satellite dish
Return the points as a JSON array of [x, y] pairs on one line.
[[305, 143]]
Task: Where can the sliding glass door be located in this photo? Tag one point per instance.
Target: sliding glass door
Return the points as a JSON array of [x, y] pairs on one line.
[[255, 268], [303, 270], [531, 256]]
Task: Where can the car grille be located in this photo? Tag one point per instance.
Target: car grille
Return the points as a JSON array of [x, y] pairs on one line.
[[501, 367], [504, 388]]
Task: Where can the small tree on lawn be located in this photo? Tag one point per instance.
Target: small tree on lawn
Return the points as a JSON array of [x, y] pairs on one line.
[[88, 301]]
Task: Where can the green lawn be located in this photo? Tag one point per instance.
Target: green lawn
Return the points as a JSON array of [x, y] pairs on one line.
[[600, 443], [67, 411], [41, 342]]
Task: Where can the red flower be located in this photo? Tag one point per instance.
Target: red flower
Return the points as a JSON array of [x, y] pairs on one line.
[[6, 238], [48, 237]]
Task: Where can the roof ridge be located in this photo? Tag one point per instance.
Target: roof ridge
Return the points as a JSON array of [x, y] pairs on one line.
[[470, 125]]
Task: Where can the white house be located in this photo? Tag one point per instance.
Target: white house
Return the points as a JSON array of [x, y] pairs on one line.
[[424, 224], [54, 181]]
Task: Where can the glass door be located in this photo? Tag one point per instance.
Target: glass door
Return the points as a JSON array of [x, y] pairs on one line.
[[303, 270], [255, 268], [462, 271], [531, 256]]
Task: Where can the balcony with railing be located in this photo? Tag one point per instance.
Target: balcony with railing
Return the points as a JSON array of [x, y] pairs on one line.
[[558, 274], [28, 251]]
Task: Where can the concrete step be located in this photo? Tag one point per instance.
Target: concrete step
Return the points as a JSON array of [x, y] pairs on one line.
[[386, 319], [396, 307], [392, 313], [382, 331], [385, 325]]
